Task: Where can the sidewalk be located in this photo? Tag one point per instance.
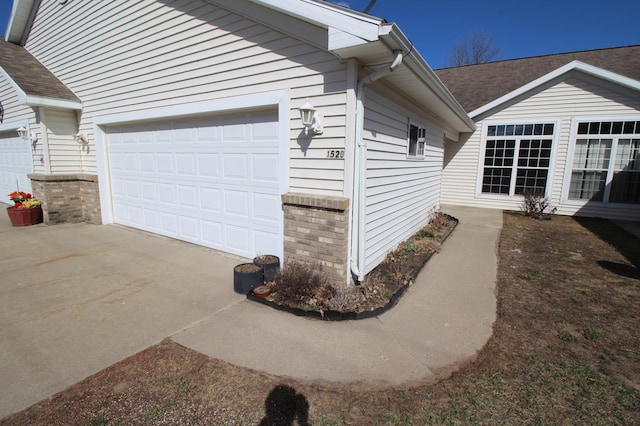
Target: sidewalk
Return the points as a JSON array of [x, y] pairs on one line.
[[77, 298], [440, 322]]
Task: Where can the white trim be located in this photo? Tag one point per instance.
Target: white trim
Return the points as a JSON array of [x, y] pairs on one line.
[[52, 102], [21, 95], [327, 15], [13, 125], [572, 66], [279, 99], [483, 147]]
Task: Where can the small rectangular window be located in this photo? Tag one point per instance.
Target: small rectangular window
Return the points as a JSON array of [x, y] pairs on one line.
[[417, 139]]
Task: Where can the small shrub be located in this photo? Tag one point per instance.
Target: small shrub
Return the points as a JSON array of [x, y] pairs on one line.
[[345, 298], [535, 204], [300, 283]]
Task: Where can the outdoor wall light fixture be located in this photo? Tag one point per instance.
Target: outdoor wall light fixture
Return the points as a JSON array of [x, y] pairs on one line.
[[311, 119], [80, 139], [26, 135]]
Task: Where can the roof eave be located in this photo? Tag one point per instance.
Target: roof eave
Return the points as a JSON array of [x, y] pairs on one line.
[[20, 20], [43, 101], [396, 40], [572, 66]]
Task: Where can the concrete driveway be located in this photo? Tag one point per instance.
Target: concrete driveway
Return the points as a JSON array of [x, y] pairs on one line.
[[77, 298]]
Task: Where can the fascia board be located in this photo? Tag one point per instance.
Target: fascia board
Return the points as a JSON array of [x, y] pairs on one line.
[[326, 15], [22, 96], [52, 102], [572, 66], [20, 19], [396, 40]]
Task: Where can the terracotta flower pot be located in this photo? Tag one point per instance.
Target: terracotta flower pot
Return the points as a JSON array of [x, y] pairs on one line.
[[25, 217], [262, 291]]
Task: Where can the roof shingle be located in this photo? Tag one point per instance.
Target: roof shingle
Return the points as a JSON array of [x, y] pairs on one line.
[[476, 85], [30, 75]]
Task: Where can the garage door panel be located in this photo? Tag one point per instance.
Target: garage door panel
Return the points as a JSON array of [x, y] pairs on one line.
[[185, 165], [236, 203], [165, 163], [212, 233], [237, 238], [210, 200], [236, 166], [266, 207], [265, 168], [130, 162], [187, 196], [212, 181], [189, 228], [209, 165]]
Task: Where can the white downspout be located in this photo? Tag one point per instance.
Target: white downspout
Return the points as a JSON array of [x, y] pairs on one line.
[[358, 239]]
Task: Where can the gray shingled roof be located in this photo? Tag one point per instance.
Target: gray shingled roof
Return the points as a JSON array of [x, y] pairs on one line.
[[30, 75], [476, 85]]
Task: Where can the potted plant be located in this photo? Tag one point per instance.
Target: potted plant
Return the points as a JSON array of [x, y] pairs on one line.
[[246, 277], [270, 264], [25, 211]]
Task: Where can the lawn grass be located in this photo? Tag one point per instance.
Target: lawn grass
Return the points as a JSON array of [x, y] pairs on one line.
[[565, 350]]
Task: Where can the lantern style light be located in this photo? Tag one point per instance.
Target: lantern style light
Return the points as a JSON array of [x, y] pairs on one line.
[[26, 135], [311, 119]]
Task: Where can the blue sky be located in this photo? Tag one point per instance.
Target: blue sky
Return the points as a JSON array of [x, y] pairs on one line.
[[519, 28]]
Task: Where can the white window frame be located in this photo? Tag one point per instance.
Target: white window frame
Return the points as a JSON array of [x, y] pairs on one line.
[[514, 168], [421, 141], [573, 137]]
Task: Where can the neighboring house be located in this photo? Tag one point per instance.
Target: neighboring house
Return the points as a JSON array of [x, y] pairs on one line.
[[565, 126], [182, 118]]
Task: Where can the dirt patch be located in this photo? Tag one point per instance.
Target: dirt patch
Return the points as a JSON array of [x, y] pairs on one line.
[[305, 289], [565, 350]]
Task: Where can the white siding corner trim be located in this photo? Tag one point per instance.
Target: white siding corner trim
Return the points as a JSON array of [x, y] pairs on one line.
[[279, 99]]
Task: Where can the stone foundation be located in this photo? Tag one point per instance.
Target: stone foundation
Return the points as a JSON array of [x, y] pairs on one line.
[[316, 229], [67, 198]]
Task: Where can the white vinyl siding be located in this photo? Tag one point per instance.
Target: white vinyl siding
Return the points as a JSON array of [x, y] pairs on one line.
[[559, 102], [65, 155], [145, 54], [402, 193]]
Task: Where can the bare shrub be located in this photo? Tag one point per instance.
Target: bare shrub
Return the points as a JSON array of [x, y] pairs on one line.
[[301, 284], [346, 299], [535, 204]]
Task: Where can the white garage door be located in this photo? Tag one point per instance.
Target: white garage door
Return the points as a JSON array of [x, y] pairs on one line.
[[15, 164], [212, 181]]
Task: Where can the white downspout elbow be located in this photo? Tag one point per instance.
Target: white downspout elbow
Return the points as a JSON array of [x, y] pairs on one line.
[[358, 237]]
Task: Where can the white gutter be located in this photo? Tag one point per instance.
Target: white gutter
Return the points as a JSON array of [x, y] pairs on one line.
[[358, 237]]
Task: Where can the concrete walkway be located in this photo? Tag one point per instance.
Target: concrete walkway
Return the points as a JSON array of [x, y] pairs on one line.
[[441, 321], [77, 298]]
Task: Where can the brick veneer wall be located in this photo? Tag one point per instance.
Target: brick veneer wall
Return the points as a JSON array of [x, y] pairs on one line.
[[316, 229], [67, 198]]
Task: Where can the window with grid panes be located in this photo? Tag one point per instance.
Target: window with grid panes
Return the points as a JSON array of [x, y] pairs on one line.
[[606, 162], [517, 158]]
